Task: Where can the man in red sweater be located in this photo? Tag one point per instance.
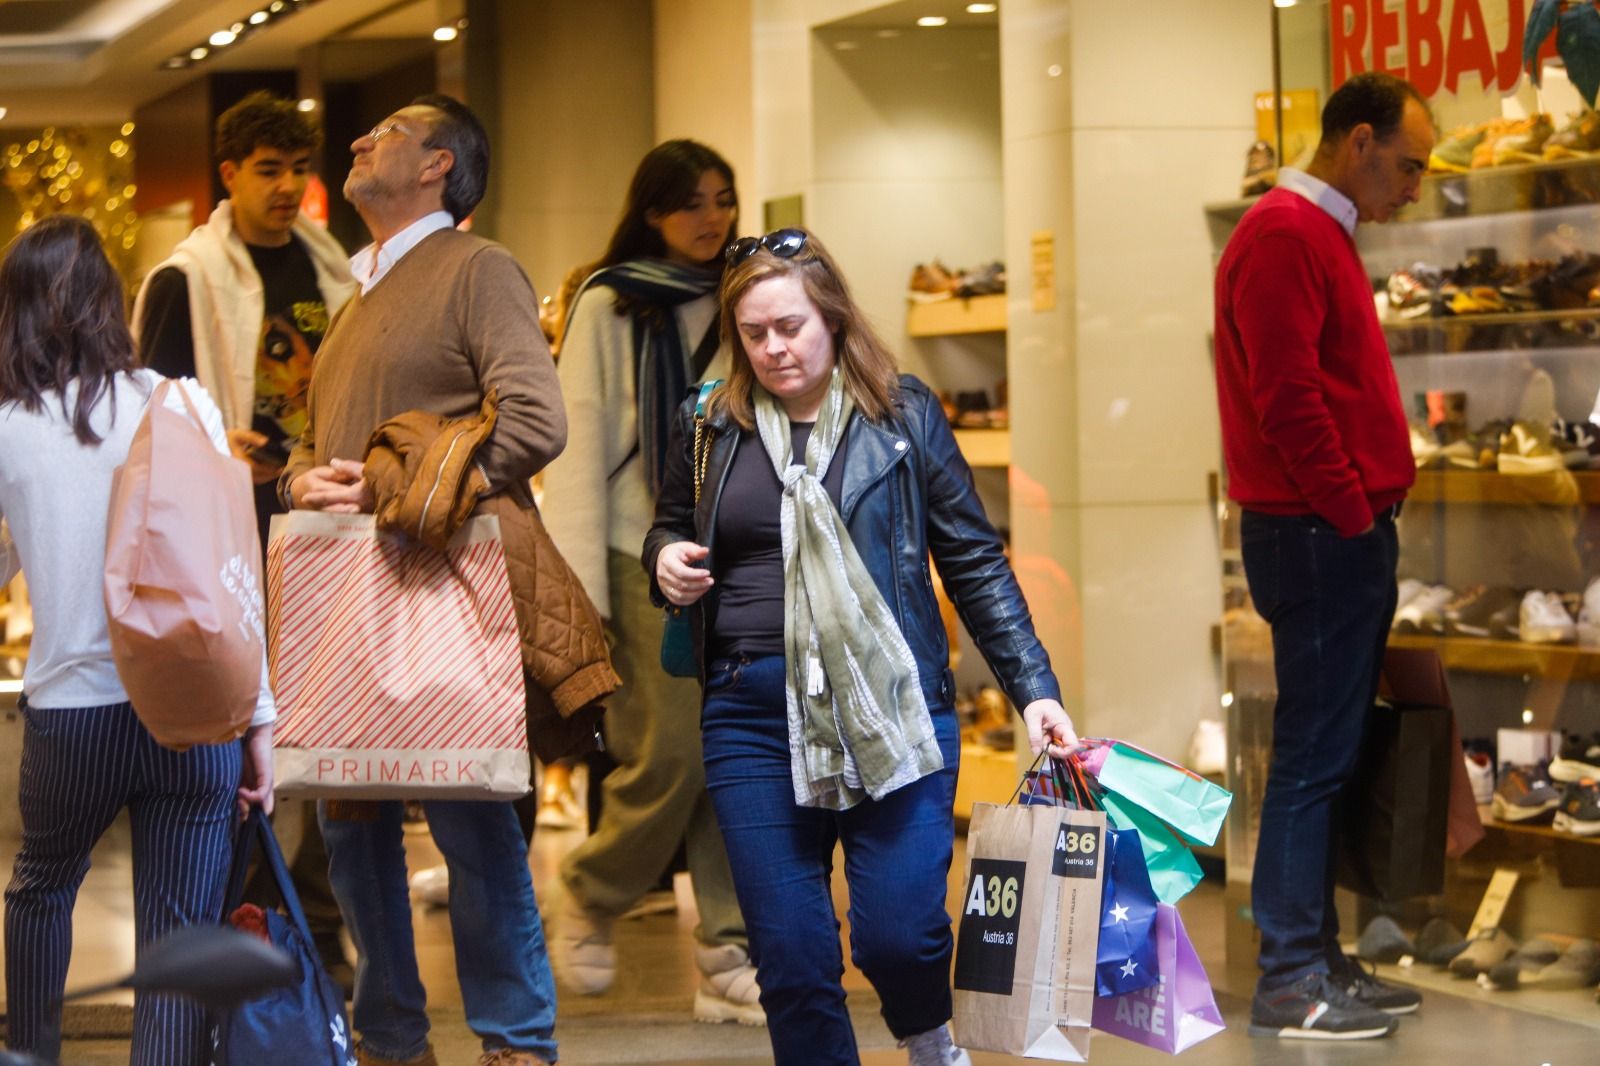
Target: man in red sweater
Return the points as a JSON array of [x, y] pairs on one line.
[[1319, 460]]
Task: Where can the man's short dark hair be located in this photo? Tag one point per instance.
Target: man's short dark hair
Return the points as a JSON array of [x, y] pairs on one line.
[[262, 120], [1375, 98], [460, 133]]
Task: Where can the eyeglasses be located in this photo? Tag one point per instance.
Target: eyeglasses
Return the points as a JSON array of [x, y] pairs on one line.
[[783, 243], [378, 133]]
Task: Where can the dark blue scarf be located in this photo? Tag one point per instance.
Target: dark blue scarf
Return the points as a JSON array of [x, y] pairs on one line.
[[662, 370]]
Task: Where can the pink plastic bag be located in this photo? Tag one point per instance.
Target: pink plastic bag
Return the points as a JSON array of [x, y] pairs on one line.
[[1179, 1011], [183, 580]]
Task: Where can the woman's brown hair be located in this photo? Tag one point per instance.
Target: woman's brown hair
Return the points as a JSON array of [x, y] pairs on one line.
[[61, 321], [871, 374]]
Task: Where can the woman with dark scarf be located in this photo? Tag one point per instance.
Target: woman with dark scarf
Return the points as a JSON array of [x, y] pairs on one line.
[[642, 330]]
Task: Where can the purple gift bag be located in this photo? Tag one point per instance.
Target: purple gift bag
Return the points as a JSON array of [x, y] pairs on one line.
[[1176, 1013]]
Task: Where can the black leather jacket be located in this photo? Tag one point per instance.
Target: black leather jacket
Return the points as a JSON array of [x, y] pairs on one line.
[[907, 491]]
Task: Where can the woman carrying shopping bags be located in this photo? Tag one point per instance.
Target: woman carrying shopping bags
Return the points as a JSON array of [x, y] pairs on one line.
[[641, 331], [70, 400], [824, 480]]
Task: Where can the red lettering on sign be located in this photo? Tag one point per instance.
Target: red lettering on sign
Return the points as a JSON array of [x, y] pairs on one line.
[[389, 771], [441, 770], [464, 772], [416, 773], [1424, 45], [1347, 35], [1385, 35], [1469, 47], [348, 770], [324, 768]]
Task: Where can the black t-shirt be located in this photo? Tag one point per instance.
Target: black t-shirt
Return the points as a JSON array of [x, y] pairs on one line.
[[292, 329], [749, 615]]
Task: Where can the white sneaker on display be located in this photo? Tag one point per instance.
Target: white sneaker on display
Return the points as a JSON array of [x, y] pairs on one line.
[[1408, 590], [934, 1048], [1589, 616], [431, 886], [728, 991], [1481, 775], [1544, 620], [1424, 612]]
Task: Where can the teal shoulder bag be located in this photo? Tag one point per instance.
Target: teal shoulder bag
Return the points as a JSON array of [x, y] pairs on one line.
[[677, 639]]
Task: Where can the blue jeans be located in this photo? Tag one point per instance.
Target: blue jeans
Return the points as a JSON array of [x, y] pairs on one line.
[[1329, 600], [501, 960], [897, 855]]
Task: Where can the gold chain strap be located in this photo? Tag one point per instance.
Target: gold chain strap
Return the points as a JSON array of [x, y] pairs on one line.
[[701, 454]]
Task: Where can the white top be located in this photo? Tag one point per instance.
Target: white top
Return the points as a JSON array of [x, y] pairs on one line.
[[374, 261], [1319, 192], [54, 495], [596, 495]]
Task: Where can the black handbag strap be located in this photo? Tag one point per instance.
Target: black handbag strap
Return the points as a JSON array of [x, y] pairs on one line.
[[257, 832]]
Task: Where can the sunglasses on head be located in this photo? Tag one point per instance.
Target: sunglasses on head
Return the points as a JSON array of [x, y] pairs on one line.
[[783, 243]]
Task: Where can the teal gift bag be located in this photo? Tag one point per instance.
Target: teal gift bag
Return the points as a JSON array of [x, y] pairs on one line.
[[1173, 870], [1182, 798]]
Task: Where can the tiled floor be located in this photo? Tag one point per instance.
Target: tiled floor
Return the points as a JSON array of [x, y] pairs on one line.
[[645, 1018]]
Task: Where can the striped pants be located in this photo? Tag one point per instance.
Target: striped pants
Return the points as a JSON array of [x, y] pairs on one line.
[[80, 767]]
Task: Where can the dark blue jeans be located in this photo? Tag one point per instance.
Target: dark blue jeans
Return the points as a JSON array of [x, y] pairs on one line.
[[1329, 600], [897, 858]]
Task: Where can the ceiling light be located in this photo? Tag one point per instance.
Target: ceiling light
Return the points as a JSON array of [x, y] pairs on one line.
[[1284, 3], [932, 20], [2, 112], [258, 18], [445, 33], [307, 104], [982, 9], [888, 34], [275, 7], [198, 54], [847, 46], [223, 38], [127, 128]]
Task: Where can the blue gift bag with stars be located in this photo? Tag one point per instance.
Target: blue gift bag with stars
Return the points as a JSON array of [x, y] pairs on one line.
[[1126, 961]]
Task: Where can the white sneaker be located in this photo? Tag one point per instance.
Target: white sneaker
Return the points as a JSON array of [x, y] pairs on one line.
[[1589, 616], [1544, 620], [581, 952], [728, 991], [1409, 589], [432, 886], [934, 1048], [1208, 748], [1425, 612], [1481, 776]]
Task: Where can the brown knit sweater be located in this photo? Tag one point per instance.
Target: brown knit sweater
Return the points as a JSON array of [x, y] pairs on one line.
[[452, 319]]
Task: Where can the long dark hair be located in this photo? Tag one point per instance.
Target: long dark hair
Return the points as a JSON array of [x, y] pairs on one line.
[[61, 320], [666, 179]]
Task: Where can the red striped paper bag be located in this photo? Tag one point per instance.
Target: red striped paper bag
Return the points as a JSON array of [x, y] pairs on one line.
[[397, 668]]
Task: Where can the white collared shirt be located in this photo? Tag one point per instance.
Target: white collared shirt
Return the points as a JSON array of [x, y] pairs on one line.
[[1319, 192], [371, 263]]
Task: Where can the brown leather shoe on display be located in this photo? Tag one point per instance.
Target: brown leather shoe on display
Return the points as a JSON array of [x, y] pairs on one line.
[[367, 1058]]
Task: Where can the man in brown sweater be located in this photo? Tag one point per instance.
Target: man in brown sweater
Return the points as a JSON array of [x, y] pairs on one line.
[[442, 317]]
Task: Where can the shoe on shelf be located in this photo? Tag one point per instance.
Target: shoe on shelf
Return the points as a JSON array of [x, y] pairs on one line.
[[1525, 449], [728, 991], [1361, 983], [1407, 590], [1589, 618], [1453, 153], [930, 282], [1524, 794], [1578, 967], [367, 1058], [1474, 613], [1580, 809], [1579, 758], [1315, 1008], [431, 886], [1490, 946], [1543, 619], [1533, 956], [1425, 612], [934, 1048], [1480, 774], [1439, 942], [581, 951], [1578, 138], [1384, 941]]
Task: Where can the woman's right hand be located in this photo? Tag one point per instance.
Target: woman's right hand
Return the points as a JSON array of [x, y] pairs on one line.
[[338, 487], [681, 572]]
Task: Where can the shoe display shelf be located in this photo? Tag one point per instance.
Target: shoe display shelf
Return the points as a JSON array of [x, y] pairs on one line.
[[949, 317], [1463, 527]]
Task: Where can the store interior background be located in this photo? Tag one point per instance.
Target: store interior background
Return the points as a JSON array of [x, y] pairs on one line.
[[1088, 130]]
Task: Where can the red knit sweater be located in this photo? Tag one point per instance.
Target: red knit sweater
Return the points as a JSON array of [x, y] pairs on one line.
[[1311, 414]]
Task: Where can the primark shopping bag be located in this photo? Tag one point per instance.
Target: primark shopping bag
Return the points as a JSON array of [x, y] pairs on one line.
[[1175, 1013], [397, 667], [1027, 931]]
